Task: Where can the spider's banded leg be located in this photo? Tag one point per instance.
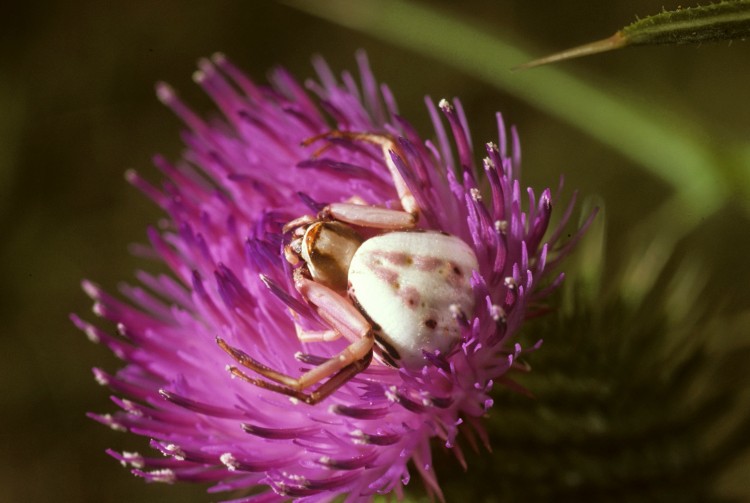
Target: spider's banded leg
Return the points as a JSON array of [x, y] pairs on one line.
[[352, 353], [342, 316], [305, 335], [387, 144], [316, 335], [322, 392], [369, 216], [298, 222]]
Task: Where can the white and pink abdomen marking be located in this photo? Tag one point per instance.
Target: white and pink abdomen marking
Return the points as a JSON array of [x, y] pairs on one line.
[[406, 283]]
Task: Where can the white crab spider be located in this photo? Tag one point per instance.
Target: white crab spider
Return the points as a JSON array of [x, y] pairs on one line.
[[400, 293]]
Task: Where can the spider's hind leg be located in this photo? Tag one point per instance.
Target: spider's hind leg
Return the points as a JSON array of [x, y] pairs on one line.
[[345, 319], [321, 392]]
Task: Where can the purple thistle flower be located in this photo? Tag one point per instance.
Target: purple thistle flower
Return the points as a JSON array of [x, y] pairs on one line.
[[242, 178]]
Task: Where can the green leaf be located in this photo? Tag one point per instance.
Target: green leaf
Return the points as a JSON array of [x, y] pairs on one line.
[[727, 20]]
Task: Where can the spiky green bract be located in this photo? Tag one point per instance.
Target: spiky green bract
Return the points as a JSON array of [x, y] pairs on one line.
[[644, 403]]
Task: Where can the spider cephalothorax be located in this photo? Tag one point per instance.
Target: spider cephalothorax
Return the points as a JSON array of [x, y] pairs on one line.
[[401, 291]]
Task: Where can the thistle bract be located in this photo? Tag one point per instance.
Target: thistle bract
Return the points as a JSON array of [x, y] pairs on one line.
[[243, 176]]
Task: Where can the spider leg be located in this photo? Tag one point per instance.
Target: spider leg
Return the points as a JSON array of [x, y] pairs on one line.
[[345, 319], [369, 216], [387, 144], [305, 335], [298, 222], [322, 392], [350, 354]]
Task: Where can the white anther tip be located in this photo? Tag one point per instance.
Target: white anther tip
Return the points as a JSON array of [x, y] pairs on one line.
[[501, 226], [164, 92], [229, 461], [175, 451], [134, 458], [91, 289], [164, 475], [199, 76], [131, 175], [497, 313], [92, 335]]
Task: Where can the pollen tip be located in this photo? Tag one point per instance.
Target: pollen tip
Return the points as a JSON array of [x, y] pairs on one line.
[[164, 475], [91, 289], [165, 93], [266, 281], [131, 408], [497, 313], [199, 76], [205, 65], [133, 458], [392, 394], [219, 58], [175, 451], [131, 176], [91, 334], [100, 377], [114, 425], [229, 461], [445, 106]]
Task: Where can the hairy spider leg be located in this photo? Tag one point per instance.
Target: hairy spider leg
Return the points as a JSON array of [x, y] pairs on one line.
[[321, 392], [387, 144], [305, 335], [369, 216], [339, 369]]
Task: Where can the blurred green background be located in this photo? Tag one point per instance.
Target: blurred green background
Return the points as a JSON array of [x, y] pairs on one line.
[[78, 109]]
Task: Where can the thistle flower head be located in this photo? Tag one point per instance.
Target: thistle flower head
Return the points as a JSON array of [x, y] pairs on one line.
[[243, 177]]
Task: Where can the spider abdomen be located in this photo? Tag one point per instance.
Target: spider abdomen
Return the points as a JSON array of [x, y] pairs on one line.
[[410, 285]]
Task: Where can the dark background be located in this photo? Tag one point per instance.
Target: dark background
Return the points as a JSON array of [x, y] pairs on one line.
[[77, 109]]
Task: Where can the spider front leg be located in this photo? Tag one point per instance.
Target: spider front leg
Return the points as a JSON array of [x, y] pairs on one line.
[[339, 369], [387, 144], [369, 216]]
